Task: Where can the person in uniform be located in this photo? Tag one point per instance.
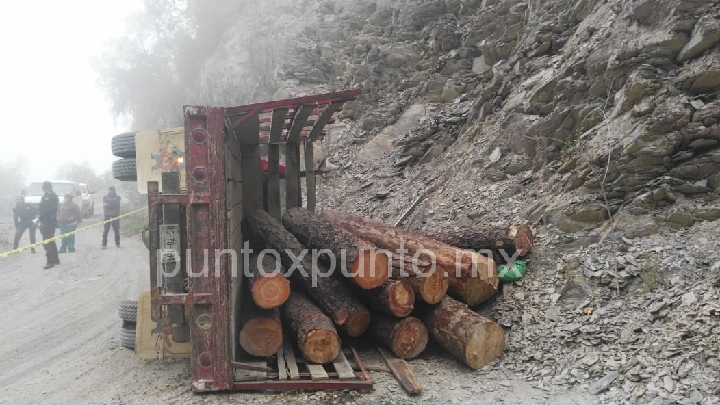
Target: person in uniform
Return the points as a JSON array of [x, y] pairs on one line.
[[68, 217], [24, 215], [111, 209], [47, 223]]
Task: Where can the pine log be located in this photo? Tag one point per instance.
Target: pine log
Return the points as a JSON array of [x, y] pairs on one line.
[[406, 337], [328, 291], [430, 284], [358, 259], [268, 284], [394, 298], [473, 278], [261, 334], [517, 238], [468, 336], [315, 333]]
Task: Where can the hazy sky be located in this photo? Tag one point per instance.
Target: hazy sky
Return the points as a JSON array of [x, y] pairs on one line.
[[53, 109]]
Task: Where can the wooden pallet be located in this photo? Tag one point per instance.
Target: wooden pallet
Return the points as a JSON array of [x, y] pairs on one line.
[[287, 370]]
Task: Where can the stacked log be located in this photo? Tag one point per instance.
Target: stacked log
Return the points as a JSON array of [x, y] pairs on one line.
[[473, 278], [327, 290], [340, 273], [470, 337], [315, 333], [503, 242], [429, 281], [362, 261], [407, 337]]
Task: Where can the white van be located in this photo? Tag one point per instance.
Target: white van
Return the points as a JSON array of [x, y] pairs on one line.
[[34, 192]]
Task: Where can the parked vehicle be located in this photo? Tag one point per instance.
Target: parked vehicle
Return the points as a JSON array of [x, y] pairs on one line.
[[80, 191], [88, 201]]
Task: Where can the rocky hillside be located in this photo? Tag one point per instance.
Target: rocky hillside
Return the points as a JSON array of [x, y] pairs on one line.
[[594, 121]]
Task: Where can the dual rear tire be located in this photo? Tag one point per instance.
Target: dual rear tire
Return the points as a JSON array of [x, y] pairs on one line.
[[127, 311], [123, 146]]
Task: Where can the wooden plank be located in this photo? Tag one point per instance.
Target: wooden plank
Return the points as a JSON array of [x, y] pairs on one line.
[[244, 375], [248, 133], [345, 95], [298, 123], [251, 178], [343, 368], [324, 118], [292, 175], [292, 367], [278, 123], [317, 372], [282, 365], [310, 176], [402, 372], [273, 182]]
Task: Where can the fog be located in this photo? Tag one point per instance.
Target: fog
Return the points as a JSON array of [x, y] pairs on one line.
[[53, 109]]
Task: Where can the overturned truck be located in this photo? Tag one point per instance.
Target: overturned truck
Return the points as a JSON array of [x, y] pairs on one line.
[[243, 178]]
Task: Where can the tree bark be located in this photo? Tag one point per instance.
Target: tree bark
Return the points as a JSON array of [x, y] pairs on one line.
[[268, 285], [330, 293], [406, 337], [430, 285], [315, 333], [358, 259], [473, 278], [468, 336], [261, 334], [517, 238], [394, 298]]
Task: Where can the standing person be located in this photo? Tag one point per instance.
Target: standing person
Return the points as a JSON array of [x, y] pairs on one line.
[[24, 215], [68, 217], [47, 222], [111, 209]]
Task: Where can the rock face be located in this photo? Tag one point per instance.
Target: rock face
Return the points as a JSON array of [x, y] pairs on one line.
[[597, 122]]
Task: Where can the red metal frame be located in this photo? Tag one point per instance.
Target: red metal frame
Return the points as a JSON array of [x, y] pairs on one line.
[[208, 302]]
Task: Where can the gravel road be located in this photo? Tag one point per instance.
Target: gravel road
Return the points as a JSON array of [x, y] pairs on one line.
[[60, 344]]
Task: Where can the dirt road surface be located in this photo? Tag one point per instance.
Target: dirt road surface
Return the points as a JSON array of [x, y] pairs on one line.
[[59, 343]]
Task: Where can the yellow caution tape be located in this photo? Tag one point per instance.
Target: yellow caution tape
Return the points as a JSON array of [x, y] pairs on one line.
[[79, 230]]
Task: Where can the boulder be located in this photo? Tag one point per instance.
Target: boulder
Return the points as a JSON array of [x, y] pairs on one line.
[[705, 35]]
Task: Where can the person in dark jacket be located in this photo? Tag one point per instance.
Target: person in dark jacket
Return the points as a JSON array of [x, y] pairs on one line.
[[24, 215], [111, 209], [47, 223]]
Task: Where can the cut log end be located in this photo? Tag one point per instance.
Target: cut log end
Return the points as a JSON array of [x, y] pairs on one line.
[[523, 236], [403, 299], [433, 286], [262, 336], [320, 346], [476, 285], [410, 339], [484, 346], [370, 269], [358, 323], [271, 290]]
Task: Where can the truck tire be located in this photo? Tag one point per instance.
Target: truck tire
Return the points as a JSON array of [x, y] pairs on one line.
[[125, 170], [123, 145], [127, 337], [128, 310]]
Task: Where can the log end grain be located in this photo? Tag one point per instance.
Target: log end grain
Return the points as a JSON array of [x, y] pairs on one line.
[[370, 268], [271, 290], [523, 236], [477, 282], [320, 346], [485, 344], [262, 336], [410, 339], [433, 286], [358, 323], [402, 299]]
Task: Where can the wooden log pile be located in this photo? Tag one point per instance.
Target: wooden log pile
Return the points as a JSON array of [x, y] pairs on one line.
[[337, 274]]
